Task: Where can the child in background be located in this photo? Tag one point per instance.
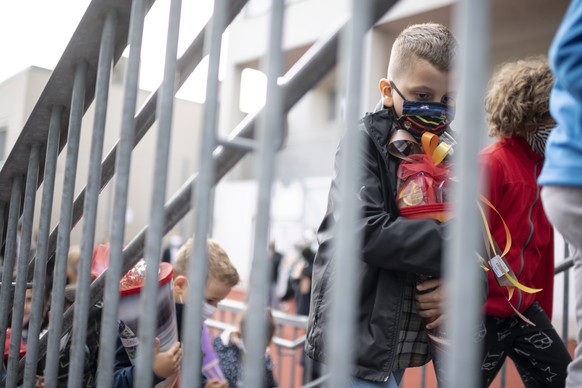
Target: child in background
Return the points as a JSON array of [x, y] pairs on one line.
[[222, 276], [91, 345], [517, 107], [230, 350]]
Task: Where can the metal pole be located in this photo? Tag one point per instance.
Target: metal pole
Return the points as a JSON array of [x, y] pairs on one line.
[[82, 305], [503, 375], [126, 141], [6, 291], [153, 250], [23, 255], [293, 359], [461, 269], [38, 291], [270, 132], [197, 267], [342, 319], [60, 271]]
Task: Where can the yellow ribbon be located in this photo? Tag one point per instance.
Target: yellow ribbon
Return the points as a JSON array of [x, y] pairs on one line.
[[508, 242], [506, 273], [431, 146]]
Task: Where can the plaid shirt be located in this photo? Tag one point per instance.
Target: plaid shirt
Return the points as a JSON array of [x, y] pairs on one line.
[[413, 347]]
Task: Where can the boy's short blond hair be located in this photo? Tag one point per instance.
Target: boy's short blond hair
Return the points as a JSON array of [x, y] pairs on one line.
[[219, 265], [518, 99], [432, 42]]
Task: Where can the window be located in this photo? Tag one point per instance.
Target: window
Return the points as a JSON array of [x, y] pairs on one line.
[[253, 90]]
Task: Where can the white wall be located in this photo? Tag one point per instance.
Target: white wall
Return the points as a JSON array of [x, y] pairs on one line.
[[295, 208]]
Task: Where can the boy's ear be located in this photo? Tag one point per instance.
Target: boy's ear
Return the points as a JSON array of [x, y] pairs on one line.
[[386, 92], [180, 284]]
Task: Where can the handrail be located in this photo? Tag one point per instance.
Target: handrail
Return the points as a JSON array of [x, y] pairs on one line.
[[235, 306], [315, 64], [282, 342], [83, 47], [566, 264]]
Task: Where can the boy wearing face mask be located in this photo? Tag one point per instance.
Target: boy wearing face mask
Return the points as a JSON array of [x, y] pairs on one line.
[[222, 277], [517, 106], [392, 335]]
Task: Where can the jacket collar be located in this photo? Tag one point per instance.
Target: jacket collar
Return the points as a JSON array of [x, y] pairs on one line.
[[521, 143], [380, 124]]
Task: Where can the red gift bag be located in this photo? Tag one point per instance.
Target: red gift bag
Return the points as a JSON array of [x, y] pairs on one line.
[[423, 188]]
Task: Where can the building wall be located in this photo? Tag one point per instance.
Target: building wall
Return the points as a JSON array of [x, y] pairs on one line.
[[19, 94]]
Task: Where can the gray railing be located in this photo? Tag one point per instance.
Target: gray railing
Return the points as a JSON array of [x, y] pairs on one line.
[[288, 344], [81, 79]]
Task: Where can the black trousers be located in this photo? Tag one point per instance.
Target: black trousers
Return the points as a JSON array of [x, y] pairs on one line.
[[540, 356]]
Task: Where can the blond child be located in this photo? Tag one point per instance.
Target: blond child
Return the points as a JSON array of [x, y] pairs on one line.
[[222, 276]]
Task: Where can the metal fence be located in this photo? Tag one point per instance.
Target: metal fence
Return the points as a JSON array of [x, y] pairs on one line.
[[82, 78]]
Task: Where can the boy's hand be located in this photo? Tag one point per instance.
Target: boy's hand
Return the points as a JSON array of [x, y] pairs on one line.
[[167, 363], [215, 383], [431, 302]]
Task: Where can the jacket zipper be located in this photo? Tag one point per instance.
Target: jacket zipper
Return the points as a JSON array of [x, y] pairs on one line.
[[531, 231]]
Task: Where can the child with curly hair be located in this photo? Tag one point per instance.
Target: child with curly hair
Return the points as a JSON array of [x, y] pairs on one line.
[[517, 106]]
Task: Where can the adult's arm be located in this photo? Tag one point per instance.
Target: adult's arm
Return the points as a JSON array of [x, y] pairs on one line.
[[566, 51]]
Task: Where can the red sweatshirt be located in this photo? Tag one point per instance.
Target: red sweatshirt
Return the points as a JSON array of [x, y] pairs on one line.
[[513, 168]]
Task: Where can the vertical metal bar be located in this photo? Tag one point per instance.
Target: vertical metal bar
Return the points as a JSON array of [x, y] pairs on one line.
[[472, 20], [153, 249], [503, 373], [197, 267], [2, 224], [270, 131], [9, 258], [65, 224], [566, 307], [46, 208], [346, 244], [185, 174], [293, 359], [280, 354], [423, 376], [82, 306], [23, 255], [123, 162]]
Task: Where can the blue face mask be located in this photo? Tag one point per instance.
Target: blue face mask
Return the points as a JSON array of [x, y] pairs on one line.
[[419, 117]]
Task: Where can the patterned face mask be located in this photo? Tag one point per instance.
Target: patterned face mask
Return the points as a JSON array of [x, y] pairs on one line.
[[419, 117], [538, 139]]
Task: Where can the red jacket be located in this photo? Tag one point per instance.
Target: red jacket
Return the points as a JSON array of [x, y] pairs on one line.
[[513, 168]]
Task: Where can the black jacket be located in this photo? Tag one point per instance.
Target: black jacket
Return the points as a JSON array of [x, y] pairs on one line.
[[392, 248]]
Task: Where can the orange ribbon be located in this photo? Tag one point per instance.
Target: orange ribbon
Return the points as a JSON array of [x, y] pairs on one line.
[[431, 146]]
